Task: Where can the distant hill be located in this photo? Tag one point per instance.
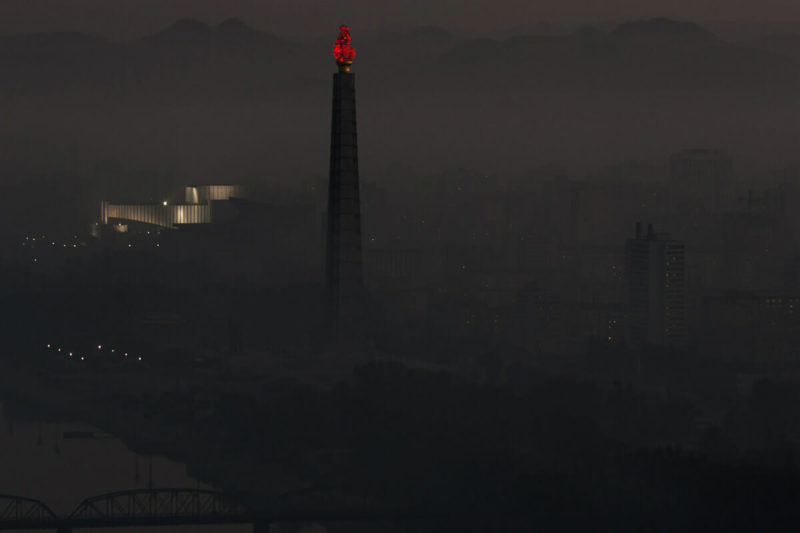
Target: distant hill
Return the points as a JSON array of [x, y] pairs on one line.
[[232, 32], [193, 58], [225, 100], [663, 27], [785, 45], [650, 54]]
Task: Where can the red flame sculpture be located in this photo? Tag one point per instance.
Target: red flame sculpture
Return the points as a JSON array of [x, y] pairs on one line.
[[343, 50]]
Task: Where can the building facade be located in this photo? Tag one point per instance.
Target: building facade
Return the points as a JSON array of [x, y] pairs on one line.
[[197, 209], [656, 290]]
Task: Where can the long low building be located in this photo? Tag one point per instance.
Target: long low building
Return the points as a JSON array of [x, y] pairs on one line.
[[167, 216], [196, 210]]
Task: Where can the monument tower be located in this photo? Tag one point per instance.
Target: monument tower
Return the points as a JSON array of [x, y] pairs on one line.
[[343, 261]]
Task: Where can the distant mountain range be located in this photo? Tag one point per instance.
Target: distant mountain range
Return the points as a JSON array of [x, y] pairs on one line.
[[784, 45], [190, 33], [652, 54], [228, 101], [234, 56]]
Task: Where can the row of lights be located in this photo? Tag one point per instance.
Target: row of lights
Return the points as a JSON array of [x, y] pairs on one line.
[[52, 243], [43, 237], [148, 232], [31, 240], [99, 348]]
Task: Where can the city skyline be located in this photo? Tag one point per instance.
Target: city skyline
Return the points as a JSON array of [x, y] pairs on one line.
[[548, 280]]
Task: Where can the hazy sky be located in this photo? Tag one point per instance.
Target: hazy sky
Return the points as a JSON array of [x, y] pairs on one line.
[[126, 19]]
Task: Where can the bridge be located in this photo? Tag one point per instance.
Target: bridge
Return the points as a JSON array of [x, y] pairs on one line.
[[25, 513], [128, 508], [167, 507]]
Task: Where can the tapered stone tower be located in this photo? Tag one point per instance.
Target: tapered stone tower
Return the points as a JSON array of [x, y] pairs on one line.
[[343, 261]]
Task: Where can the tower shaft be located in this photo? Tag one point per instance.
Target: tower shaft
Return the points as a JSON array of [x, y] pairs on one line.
[[343, 268]]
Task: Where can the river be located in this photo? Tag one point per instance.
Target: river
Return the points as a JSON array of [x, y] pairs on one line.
[[61, 464]]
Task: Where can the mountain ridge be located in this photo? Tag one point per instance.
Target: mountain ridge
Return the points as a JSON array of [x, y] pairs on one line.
[[648, 54]]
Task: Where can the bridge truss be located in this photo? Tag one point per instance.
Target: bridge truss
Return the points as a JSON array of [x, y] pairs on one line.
[[126, 508], [24, 513], [178, 506]]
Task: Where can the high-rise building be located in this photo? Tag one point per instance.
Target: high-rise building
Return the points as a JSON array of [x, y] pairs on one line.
[[656, 282], [703, 178], [343, 265]]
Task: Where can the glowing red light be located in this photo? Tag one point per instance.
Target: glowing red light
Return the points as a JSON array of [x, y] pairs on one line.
[[343, 50]]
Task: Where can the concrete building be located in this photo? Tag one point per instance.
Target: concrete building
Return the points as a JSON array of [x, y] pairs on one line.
[[656, 290]]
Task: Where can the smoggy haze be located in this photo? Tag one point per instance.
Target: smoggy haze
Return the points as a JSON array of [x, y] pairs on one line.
[[515, 265], [127, 19]]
